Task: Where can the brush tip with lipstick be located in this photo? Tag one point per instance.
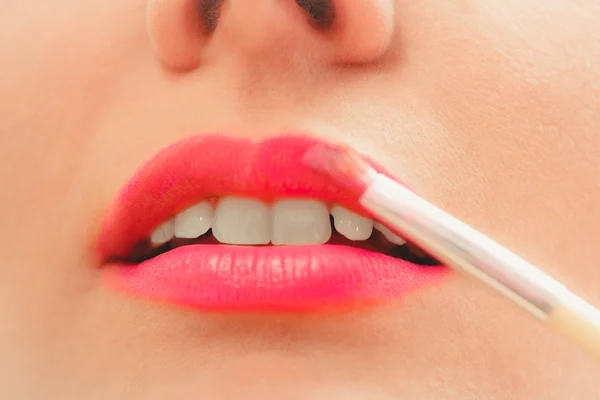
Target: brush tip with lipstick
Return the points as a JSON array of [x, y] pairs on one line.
[[340, 164]]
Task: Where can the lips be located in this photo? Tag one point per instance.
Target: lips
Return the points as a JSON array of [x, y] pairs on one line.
[[233, 278]]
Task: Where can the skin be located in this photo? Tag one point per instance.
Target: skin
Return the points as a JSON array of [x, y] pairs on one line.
[[488, 108]]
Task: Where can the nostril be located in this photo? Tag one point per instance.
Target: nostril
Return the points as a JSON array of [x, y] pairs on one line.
[[322, 12], [209, 11]]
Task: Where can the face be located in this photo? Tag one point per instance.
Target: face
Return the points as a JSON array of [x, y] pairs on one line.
[[487, 108]]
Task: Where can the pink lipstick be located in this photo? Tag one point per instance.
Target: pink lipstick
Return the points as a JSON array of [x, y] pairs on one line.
[[219, 277]]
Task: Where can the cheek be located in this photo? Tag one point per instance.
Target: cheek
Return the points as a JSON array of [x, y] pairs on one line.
[[519, 149], [56, 85]]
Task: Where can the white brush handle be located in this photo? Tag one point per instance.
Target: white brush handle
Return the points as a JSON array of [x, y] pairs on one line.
[[461, 247], [578, 322]]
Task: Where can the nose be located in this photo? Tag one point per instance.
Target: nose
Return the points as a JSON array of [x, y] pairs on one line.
[[335, 31]]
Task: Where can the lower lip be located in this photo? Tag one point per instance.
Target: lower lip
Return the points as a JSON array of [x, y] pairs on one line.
[[272, 278]]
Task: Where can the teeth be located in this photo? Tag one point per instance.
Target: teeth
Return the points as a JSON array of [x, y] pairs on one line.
[[350, 224], [242, 221], [389, 235], [300, 222], [195, 221], [163, 233]]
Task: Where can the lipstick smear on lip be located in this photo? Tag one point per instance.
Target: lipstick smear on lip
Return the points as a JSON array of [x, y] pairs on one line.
[[234, 278]]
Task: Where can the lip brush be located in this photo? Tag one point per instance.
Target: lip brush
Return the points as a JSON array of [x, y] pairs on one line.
[[461, 247]]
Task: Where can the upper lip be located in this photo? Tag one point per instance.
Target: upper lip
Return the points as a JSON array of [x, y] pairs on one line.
[[193, 169]]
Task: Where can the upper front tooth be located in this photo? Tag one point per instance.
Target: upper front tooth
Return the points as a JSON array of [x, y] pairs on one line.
[[242, 221], [300, 222], [195, 221], [389, 235], [350, 224], [164, 233]]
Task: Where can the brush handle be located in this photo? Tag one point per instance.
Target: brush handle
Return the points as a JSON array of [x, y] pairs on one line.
[[578, 322], [464, 249]]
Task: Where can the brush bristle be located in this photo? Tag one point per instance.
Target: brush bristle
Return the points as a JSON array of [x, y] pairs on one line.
[[342, 165]]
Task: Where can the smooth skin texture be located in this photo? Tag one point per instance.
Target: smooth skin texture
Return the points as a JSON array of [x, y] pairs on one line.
[[489, 108]]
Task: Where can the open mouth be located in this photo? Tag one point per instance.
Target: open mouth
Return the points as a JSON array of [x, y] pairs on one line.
[[292, 222], [226, 224]]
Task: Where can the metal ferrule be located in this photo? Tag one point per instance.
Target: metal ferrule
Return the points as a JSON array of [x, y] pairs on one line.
[[461, 247]]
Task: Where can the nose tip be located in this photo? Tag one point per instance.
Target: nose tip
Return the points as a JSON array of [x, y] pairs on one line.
[[261, 28], [337, 31]]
